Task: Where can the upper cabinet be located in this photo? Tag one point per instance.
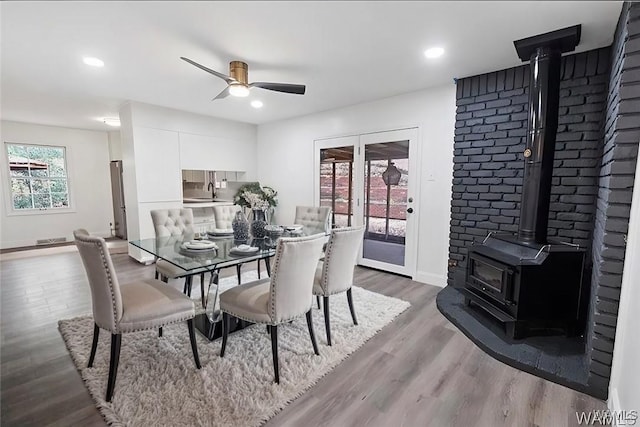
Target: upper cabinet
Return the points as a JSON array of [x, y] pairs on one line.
[[212, 153], [157, 162]]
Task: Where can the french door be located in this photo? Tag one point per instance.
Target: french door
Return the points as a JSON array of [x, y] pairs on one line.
[[371, 180]]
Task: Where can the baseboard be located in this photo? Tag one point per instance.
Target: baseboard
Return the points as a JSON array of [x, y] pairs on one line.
[[31, 243], [613, 403], [430, 279]]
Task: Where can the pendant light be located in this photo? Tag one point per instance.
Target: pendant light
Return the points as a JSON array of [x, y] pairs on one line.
[[392, 175]]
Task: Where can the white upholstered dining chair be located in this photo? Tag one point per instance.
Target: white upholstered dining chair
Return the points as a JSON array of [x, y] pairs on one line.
[[280, 299], [136, 306], [224, 215], [335, 273], [314, 219], [175, 222]]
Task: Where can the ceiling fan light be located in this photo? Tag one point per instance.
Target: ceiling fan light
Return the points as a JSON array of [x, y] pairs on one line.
[[238, 90]]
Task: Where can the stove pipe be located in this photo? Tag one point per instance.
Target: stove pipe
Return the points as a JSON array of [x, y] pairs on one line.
[[545, 53]]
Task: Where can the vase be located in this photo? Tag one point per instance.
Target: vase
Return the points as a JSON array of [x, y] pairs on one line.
[[240, 226], [258, 224]]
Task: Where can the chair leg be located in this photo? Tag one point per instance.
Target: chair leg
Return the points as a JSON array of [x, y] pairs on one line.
[[318, 301], [157, 275], [202, 296], [94, 345], [267, 266], [189, 284], [268, 329], [225, 332], [327, 322], [238, 273], [258, 269], [159, 332], [113, 365], [165, 279], [194, 346], [274, 352], [353, 311], [311, 334]]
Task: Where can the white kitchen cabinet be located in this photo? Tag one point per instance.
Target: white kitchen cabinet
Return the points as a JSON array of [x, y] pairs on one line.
[[158, 172], [200, 152]]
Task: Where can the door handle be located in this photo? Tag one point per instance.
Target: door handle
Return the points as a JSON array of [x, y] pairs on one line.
[[410, 210]]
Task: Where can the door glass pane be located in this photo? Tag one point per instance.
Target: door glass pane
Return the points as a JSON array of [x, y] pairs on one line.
[[336, 184], [385, 205]]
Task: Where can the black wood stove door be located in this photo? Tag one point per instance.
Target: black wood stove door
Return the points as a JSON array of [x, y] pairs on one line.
[[490, 277]]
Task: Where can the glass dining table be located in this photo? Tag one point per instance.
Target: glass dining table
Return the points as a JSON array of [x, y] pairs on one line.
[[198, 256]]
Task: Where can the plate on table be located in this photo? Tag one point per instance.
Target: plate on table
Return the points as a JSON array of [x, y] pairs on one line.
[[244, 250], [220, 232], [294, 227], [199, 245]]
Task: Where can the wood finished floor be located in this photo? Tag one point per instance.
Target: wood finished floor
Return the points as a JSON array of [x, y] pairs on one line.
[[418, 371]]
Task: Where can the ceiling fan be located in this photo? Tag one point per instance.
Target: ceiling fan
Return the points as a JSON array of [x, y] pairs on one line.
[[238, 81]]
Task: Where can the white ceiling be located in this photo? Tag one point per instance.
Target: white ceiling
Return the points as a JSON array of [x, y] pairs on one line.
[[345, 52]]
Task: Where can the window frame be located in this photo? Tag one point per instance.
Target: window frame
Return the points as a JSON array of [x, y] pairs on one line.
[[10, 209]]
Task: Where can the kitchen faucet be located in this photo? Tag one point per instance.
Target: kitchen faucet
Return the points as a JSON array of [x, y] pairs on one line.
[[212, 187]]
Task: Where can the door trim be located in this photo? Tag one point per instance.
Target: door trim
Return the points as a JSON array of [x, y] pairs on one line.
[[412, 231], [410, 132]]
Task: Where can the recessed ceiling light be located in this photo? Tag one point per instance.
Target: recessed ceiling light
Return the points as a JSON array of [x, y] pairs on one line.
[[93, 62], [256, 104], [434, 52], [111, 121]]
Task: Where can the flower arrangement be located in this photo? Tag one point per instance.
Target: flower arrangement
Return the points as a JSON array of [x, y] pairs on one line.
[[254, 196]]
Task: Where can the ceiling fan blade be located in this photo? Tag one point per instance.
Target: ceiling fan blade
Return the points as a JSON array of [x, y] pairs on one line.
[[222, 94], [281, 87], [209, 70]]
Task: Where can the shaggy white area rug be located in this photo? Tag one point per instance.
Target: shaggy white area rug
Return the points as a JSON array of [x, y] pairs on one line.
[[158, 384]]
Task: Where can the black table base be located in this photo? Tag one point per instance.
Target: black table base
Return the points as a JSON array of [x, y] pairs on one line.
[[213, 330]]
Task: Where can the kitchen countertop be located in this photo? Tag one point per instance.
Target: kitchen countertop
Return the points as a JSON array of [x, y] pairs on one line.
[[200, 203]]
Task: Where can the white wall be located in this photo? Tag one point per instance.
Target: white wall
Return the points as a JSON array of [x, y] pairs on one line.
[[115, 147], [157, 143], [286, 161], [89, 181], [624, 386]]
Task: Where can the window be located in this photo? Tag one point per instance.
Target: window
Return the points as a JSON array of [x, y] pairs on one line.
[[38, 177]]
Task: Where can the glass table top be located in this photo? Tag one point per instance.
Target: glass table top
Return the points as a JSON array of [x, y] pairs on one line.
[[173, 250]]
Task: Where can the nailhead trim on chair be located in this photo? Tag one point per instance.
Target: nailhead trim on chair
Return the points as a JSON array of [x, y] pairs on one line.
[[260, 322], [324, 283], [161, 325], [274, 269], [116, 330], [81, 239], [274, 277]]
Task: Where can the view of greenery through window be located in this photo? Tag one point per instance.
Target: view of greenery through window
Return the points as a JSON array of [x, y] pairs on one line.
[[38, 176]]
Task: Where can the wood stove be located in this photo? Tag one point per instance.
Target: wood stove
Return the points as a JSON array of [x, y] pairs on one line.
[[533, 289], [532, 285]]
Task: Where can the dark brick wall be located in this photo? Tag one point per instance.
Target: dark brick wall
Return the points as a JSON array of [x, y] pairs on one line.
[[491, 127], [595, 160], [621, 136]]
